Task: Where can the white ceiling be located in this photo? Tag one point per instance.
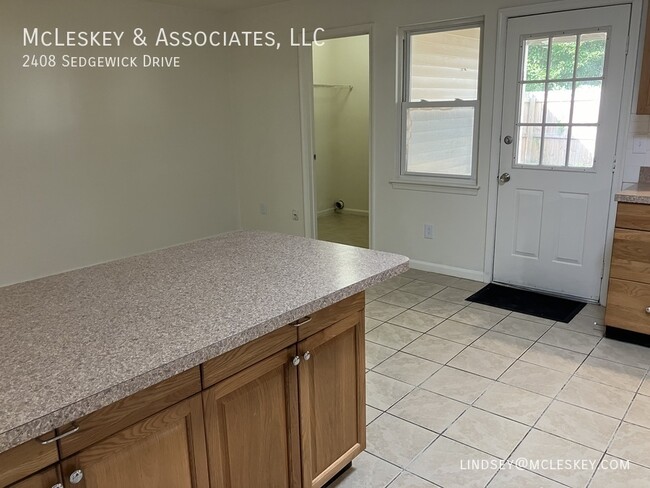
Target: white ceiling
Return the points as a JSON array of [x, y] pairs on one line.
[[221, 5]]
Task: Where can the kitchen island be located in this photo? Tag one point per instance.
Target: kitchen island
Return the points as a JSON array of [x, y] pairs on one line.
[[133, 364]]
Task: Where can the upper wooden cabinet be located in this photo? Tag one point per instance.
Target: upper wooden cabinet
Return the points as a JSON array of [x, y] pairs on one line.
[[332, 399], [166, 450], [643, 102]]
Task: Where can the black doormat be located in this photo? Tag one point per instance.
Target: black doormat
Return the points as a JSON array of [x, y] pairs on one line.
[[528, 302]]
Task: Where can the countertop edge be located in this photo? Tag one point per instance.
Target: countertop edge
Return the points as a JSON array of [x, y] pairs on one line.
[[630, 198], [74, 411]]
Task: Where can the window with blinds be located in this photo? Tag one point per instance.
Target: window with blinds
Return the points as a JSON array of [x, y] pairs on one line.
[[440, 103]]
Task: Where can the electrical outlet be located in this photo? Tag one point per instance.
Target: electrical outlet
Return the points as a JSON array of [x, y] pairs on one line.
[[264, 209], [428, 231], [294, 215]]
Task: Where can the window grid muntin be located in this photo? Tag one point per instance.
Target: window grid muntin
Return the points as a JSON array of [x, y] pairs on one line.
[[521, 83]]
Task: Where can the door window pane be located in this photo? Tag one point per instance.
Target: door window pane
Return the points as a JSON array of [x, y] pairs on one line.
[[444, 65], [558, 118], [583, 147], [440, 140], [586, 105], [591, 55], [555, 145], [536, 59], [531, 106], [558, 103], [529, 144], [563, 50]]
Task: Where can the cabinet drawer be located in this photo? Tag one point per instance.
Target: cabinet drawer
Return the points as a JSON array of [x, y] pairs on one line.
[[631, 255], [26, 459], [627, 302], [633, 216], [237, 360], [45, 479], [334, 313], [113, 418]]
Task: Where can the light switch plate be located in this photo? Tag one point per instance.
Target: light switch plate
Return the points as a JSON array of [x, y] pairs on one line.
[[639, 145]]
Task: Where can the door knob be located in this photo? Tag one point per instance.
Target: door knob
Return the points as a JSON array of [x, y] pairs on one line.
[[504, 178], [76, 476], [295, 361], [507, 140], [58, 485], [307, 356]]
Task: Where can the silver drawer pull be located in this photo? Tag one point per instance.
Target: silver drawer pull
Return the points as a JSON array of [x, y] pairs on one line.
[[303, 321], [647, 310], [75, 428]]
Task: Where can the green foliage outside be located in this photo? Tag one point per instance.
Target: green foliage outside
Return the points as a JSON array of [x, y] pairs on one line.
[[590, 62]]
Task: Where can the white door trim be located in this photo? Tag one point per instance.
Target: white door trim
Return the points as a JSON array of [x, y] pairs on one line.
[[497, 113], [305, 61]]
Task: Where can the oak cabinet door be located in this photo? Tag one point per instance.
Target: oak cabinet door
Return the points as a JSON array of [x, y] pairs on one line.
[[252, 426], [45, 479], [332, 399], [166, 450]]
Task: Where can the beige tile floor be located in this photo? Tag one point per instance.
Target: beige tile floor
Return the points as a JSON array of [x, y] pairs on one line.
[[344, 229], [451, 382]]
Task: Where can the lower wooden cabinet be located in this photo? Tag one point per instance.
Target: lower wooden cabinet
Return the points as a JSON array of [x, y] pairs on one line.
[[48, 478], [332, 399], [166, 450], [252, 426], [284, 411], [290, 410]]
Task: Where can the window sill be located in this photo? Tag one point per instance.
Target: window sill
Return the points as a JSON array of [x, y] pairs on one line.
[[437, 187]]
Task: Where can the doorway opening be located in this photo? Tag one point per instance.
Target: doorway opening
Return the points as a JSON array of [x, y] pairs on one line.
[[341, 132]]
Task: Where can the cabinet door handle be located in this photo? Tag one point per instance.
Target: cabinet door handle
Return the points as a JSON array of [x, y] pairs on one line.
[[76, 476], [303, 321], [58, 485], [295, 361], [75, 428], [307, 356], [647, 310]]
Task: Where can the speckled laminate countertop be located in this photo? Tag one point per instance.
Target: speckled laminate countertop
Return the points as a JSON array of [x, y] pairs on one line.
[[78, 341], [636, 194]]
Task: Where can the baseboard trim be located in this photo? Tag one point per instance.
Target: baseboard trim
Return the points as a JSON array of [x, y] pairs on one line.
[[350, 211], [468, 274], [355, 211]]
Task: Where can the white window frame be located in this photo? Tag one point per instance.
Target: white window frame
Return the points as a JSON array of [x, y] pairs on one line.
[[428, 181]]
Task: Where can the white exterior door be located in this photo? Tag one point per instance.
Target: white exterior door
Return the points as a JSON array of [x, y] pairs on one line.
[[562, 96]]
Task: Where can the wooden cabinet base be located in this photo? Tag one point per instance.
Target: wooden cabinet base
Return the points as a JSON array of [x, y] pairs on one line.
[[286, 410], [252, 426], [45, 479], [332, 399], [167, 450]]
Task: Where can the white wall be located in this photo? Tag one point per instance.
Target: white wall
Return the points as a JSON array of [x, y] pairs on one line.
[[97, 165], [634, 158], [341, 122], [459, 220]]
